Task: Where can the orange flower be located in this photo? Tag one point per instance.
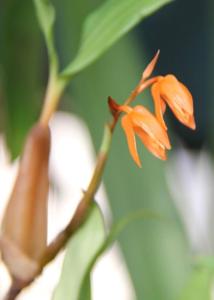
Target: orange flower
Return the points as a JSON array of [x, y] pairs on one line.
[[140, 121], [167, 89], [152, 129]]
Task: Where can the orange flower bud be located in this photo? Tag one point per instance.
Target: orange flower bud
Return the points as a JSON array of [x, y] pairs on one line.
[[24, 228], [169, 90]]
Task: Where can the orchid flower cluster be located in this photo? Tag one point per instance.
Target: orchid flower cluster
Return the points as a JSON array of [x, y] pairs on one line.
[[151, 128]]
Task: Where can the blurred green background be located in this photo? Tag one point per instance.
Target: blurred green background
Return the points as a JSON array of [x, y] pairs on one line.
[[158, 255]]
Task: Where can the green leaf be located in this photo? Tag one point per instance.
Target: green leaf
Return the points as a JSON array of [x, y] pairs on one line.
[[108, 24], [200, 282], [46, 17], [112, 236], [79, 253], [83, 250], [199, 286], [20, 68]]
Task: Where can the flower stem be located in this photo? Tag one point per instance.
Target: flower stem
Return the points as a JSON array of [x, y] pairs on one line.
[[78, 218], [142, 85], [84, 206]]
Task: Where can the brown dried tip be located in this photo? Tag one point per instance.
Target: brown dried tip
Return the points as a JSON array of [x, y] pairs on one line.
[[113, 106], [24, 228]]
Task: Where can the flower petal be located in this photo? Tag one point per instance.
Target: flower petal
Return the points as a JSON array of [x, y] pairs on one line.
[[163, 106], [151, 145], [178, 98], [150, 67], [191, 122], [142, 118], [129, 132], [177, 91], [125, 108], [189, 102], [160, 105]]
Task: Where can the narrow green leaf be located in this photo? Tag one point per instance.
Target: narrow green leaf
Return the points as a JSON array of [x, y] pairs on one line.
[[19, 71], [46, 17], [112, 236], [108, 24], [200, 282], [79, 253], [199, 286]]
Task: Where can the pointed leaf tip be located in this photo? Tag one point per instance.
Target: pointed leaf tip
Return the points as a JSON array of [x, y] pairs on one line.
[[106, 25]]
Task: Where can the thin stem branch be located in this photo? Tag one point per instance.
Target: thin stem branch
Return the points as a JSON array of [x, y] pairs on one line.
[[83, 208], [142, 85]]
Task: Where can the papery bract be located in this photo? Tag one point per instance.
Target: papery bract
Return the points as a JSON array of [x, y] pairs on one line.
[[24, 230]]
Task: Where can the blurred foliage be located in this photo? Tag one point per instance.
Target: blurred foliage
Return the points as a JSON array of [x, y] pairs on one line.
[[46, 18], [80, 252], [199, 285], [78, 264], [21, 69], [107, 24]]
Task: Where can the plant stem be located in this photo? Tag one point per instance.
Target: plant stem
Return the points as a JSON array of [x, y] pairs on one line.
[[14, 290], [55, 88], [84, 206]]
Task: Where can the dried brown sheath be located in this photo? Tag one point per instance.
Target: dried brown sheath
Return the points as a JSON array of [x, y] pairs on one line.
[[24, 229]]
